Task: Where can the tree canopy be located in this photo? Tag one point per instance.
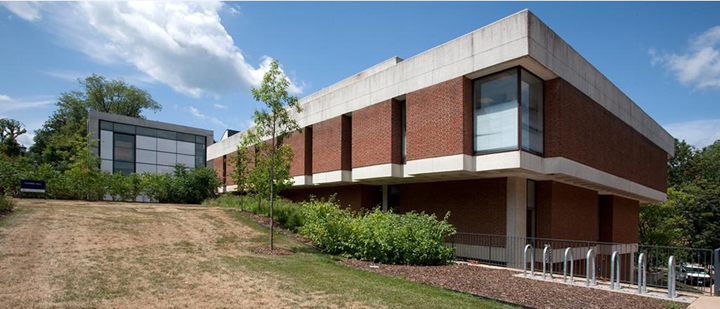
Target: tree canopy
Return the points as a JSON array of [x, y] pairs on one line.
[[52, 141], [691, 215]]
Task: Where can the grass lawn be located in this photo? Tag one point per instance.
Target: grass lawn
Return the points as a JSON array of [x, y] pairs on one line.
[[68, 254], [308, 270]]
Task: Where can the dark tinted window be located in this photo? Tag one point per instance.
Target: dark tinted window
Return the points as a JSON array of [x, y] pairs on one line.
[[200, 139], [166, 134], [146, 131], [186, 137], [124, 128], [123, 167], [104, 125]]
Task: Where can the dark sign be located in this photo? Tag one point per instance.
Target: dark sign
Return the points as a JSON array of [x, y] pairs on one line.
[[34, 186]]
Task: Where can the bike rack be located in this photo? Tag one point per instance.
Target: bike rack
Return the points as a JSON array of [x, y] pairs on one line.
[[590, 253], [614, 271], [547, 249], [565, 263], [671, 277], [642, 274], [532, 260]]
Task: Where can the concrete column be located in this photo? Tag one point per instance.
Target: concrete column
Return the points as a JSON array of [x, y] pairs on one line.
[[515, 227], [516, 207], [385, 197]]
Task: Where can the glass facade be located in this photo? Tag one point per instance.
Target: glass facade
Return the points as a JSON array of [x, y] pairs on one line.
[[502, 101], [133, 149]]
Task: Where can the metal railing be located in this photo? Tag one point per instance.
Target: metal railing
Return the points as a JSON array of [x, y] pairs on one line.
[[693, 270]]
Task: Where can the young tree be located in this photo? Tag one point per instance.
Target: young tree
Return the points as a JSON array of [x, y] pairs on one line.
[[274, 121], [241, 163]]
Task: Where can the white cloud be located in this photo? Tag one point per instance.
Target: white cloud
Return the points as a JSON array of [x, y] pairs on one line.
[[195, 112], [698, 133], [181, 44], [8, 104], [699, 65], [219, 106], [29, 10]]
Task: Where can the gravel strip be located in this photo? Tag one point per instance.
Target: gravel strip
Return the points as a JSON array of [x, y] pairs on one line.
[[500, 284]]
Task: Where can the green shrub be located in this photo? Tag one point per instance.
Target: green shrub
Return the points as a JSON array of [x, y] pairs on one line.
[[384, 237], [6, 204], [285, 211]]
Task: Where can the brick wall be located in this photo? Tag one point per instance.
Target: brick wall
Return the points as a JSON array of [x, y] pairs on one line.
[[619, 219], [476, 206], [301, 144], [353, 196], [566, 212], [376, 134], [331, 145], [439, 120], [579, 129], [219, 167]]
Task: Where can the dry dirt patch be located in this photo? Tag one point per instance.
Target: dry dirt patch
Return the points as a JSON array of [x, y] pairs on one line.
[[74, 254]]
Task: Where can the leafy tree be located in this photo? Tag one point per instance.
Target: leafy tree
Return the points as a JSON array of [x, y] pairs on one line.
[[680, 167], [275, 122], [10, 149], [11, 128], [691, 215], [662, 224], [98, 94], [241, 163], [84, 176]]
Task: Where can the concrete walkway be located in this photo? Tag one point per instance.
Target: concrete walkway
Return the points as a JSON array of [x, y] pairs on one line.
[[706, 302]]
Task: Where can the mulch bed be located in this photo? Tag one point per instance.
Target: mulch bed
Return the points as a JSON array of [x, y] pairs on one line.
[[266, 251], [500, 284]]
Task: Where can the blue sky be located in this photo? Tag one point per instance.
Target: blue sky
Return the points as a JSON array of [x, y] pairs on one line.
[[199, 60]]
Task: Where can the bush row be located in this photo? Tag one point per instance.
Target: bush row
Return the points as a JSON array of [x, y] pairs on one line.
[[378, 236], [183, 186], [285, 212]]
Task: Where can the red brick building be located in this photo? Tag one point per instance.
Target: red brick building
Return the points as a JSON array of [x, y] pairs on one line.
[[507, 128]]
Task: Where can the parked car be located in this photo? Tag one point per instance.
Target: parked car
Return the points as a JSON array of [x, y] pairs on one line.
[[694, 275]]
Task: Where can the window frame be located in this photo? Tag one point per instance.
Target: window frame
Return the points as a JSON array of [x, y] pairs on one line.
[[519, 70]]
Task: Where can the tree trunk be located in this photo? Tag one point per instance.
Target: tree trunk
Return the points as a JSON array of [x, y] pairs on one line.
[[272, 186]]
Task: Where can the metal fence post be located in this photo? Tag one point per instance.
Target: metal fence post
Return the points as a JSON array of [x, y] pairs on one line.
[[532, 260], [590, 253], [614, 271], [671, 277], [716, 270], [642, 270], [565, 262]]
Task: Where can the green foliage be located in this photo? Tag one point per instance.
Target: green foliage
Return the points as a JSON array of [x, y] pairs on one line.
[[84, 177], [11, 129], [6, 204], [275, 121], [285, 212], [9, 148], [241, 164], [384, 237], [691, 215], [662, 224], [184, 186], [53, 141]]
